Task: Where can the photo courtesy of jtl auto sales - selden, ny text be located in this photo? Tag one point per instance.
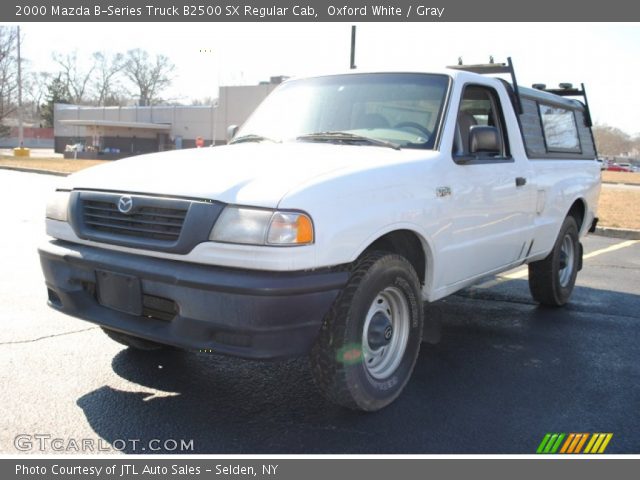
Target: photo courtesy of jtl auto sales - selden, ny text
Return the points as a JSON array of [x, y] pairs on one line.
[[318, 240]]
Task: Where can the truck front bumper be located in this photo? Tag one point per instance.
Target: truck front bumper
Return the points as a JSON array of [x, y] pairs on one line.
[[252, 314]]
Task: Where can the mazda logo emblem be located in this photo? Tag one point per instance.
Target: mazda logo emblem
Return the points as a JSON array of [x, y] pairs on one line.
[[125, 204]]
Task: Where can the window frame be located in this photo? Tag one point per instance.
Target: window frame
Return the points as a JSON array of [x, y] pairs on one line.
[[496, 105], [552, 150]]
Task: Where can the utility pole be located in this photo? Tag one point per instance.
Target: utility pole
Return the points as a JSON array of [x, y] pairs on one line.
[[20, 126], [20, 151]]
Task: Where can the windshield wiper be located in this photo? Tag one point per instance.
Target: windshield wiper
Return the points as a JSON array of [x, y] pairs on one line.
[[339, 136], [252, 138]]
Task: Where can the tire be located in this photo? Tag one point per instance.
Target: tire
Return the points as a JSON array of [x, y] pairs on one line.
[[383, 299], [131, 341], [552, 279]]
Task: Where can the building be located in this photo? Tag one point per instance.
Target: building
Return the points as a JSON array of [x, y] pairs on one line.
[[116, 132]]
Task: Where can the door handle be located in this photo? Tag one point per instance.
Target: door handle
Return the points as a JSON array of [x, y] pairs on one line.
[[520, 181]]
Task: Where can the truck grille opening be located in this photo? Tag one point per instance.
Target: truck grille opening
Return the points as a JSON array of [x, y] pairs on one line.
[[159, 308], [158, 223]]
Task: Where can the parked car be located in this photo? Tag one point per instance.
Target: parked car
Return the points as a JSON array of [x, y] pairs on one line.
[[615, 167], [342, 204]]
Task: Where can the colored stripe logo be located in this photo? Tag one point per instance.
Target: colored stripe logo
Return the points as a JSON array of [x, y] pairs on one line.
[[574, 443]]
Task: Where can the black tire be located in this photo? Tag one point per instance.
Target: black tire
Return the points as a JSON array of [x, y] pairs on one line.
[[133, 342], [550, 284], [342, 359]]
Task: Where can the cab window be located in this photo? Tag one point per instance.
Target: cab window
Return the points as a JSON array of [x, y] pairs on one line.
[[479, 106]]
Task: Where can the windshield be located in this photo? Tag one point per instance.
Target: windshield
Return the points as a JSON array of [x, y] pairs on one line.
[[397, 109]]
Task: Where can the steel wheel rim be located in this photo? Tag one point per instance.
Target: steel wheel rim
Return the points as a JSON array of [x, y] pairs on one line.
[[567, 254], [383, 361]]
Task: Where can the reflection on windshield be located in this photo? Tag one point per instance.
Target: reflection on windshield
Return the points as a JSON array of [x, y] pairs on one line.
[[398, 109]]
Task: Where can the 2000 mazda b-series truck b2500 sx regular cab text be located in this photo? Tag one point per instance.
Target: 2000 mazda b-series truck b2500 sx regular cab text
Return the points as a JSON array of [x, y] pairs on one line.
[[341, 204]]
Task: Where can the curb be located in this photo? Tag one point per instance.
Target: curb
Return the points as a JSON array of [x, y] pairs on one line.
[[622, 183], [34, 170], [626, 234]]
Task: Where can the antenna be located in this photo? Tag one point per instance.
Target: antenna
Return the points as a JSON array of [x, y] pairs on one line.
[[353, 47]]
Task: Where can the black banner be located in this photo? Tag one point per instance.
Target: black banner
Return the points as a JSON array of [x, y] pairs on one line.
[[321, 469], [315, 11]]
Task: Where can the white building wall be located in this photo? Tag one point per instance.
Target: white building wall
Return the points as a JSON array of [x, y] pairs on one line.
[[189, 122]]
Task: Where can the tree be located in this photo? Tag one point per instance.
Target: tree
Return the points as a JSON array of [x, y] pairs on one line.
[[57, 93], [107, 70], [204, 102], [611, 141], [34, 91], [149, 75], [8, 75], [74, 78]]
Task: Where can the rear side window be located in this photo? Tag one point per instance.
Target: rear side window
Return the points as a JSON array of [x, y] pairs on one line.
[[559, 128]]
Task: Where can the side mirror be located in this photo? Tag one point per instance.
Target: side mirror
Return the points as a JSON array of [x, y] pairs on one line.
[[231, 132], [484, 139]]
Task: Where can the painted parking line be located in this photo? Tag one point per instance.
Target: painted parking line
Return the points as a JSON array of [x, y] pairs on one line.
[[612, 248], [524, 272]]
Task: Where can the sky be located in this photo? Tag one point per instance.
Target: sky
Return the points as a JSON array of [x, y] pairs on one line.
[[606, 57]]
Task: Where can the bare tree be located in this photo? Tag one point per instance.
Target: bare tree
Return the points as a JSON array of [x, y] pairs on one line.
[[106, 85], [635, 146], [149, 75], [75, 78], [8, 74], [34, 90], [611, 141]]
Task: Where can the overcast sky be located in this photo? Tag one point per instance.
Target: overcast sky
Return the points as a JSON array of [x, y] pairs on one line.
[[606, 57]]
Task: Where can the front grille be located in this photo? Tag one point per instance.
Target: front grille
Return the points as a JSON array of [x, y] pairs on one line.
[[153, 222], [150, 222]]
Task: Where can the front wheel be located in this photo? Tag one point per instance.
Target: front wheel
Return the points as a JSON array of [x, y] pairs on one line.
[[369, 342], [552, 279]]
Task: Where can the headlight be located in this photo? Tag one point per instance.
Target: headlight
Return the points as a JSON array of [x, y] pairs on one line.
[[262, 227], [58, 205]]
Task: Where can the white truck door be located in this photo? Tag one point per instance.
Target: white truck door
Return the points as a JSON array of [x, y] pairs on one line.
[[491, 195]]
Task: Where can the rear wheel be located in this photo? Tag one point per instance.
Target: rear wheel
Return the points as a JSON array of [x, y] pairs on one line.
[[552, 279], [131, 341], [369, 342]]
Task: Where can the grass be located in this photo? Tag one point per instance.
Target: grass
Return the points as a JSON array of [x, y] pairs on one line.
[[618, 208], [621, 177], [52, 164]]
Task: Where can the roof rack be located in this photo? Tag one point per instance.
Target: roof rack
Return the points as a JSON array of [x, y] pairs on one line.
[[493, 68], [568, 90]]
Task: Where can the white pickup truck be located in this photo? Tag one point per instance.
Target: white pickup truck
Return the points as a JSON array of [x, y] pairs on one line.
[[342, 204]]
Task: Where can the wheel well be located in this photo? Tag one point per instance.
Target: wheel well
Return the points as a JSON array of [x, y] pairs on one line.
[[577, 211], [407, 244]]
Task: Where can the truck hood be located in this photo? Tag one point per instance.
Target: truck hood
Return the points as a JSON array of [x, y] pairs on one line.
[[258, 174]]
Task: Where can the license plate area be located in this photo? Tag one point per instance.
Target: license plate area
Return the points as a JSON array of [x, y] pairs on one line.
[[119, 292]]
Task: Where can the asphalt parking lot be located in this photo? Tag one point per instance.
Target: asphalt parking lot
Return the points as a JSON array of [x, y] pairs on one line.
[[504, 372]]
